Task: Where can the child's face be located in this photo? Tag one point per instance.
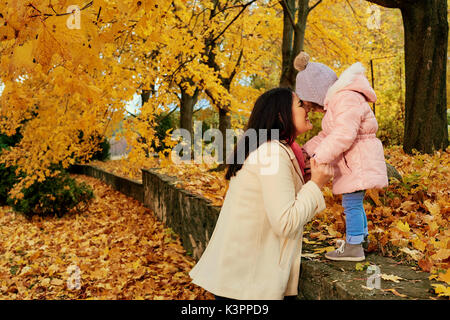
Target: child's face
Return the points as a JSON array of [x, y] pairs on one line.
[[312, 106]]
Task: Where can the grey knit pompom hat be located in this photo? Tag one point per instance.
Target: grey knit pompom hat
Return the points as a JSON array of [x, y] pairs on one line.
[[313, 79]]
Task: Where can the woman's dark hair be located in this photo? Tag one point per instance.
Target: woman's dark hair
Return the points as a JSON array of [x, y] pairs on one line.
[[272, 110]]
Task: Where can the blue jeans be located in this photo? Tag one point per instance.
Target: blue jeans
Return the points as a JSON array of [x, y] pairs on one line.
[[356, 220]]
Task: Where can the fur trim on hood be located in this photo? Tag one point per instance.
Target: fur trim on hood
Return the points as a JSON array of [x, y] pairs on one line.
[[353, 78]]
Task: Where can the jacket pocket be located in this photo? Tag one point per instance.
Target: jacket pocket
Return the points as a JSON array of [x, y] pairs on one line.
[[343, 165]]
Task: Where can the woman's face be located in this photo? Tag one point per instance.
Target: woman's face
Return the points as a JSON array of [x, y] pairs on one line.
[[300, 116]]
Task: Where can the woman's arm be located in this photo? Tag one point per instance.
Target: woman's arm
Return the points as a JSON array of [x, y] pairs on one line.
[[286, 211]]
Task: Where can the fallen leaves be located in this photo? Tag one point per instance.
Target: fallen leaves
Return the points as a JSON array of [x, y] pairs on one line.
[[395, 292], [408, 220], [415, 254], [121, 250]]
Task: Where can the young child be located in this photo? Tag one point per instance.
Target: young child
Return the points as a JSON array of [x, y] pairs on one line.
[[347, 141]]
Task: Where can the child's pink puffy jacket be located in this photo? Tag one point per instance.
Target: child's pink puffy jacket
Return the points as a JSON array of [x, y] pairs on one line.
[[348, 139]]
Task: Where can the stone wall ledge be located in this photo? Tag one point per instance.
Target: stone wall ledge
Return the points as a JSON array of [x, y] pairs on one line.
[[193, 218]]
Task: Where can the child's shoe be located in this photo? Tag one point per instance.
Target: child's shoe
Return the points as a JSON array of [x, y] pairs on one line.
[[346, 252]]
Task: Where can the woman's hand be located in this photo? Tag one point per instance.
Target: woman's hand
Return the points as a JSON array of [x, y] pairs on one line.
[[320, 173]]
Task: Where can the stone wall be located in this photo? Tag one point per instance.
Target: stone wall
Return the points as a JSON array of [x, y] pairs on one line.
[[129, 187], [192, 217]]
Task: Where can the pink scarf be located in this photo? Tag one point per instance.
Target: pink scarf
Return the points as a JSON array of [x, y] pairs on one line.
[[299, 155]]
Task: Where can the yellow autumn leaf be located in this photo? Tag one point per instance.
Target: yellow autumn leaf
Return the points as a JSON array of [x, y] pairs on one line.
[[415, 254], [57, 282], [373, 194], [360, 266], [326, 249], [22, 56], [398, 294], [309, 255], [441, 290], [391, 277], [403, 226], [441, 254], [445, 276], [305, 240], [408, 205], [433, 226], [433, 207], [419, 244]]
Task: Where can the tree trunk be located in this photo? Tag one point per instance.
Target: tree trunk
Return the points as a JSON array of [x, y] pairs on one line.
[[293, 38], [286, 46], [224, 124], [187, 103], [145, 96], [426, 40]]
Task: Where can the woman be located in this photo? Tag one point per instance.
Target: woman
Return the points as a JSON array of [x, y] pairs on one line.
[[255, 249]]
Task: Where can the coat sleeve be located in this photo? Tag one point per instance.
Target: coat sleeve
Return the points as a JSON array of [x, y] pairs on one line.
[[348, 115], [311, 145], [287, 211]]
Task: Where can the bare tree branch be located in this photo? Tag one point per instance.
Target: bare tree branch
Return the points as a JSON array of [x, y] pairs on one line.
[[233, 73], [234, 19], [289, 13], [315, 5], [168, 114], [55, 14]]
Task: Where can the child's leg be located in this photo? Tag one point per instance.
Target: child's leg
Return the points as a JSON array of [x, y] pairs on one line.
[[356, 226], [366, 229], [356, 220]]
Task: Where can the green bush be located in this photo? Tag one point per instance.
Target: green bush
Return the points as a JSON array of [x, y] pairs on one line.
[[54, 196], [103, 153], [164, 123], [8, 179], [104, 147], [7, 174]]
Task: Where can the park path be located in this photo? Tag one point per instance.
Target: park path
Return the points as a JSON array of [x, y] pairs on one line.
[[116, 245]]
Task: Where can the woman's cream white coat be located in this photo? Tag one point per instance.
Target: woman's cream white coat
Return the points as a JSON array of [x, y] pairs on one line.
[[255, 249]]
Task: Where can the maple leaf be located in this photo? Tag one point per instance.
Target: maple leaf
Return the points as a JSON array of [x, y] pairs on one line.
[[442, 290], [403, 226], [416, 255], [391, 277], [433, 208]]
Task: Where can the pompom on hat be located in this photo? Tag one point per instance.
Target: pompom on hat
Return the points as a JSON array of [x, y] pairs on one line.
[[313, 79]]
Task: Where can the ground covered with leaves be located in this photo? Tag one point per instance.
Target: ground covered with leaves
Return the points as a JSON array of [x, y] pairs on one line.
[[114, 249], [408, 221]]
